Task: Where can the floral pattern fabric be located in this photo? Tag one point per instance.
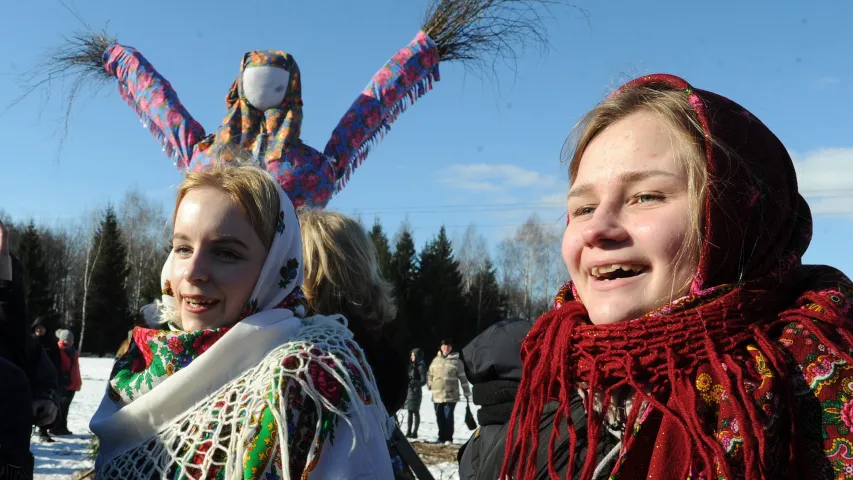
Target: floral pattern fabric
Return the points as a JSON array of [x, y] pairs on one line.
[[155, 355], [309, 177], [307, 384], [821, 384], [306, 440]]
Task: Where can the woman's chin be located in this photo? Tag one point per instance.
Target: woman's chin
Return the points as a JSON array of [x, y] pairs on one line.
[[204, 321], [610, 314]]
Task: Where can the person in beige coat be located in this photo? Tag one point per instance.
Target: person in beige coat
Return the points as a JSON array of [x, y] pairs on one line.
[[445, 374]]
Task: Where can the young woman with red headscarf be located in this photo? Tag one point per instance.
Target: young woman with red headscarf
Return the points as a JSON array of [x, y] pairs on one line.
[[692, 342]]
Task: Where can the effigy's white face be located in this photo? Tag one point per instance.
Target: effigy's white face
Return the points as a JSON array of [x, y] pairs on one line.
[[265, 87]]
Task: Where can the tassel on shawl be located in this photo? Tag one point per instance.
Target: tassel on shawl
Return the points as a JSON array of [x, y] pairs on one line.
[[562, 354], [146, 121], [409, 98]]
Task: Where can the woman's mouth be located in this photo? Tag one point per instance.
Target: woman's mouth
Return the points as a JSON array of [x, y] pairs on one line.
[[199, 304], [616, 275]]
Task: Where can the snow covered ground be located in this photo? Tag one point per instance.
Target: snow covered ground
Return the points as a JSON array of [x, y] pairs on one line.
[[68, 454]]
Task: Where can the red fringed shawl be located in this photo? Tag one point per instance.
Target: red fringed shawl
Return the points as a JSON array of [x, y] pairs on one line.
[[740, 379]]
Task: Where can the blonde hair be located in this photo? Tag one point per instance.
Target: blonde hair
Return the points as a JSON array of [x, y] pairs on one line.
[[249, 187], [673, 107], [341, 270]]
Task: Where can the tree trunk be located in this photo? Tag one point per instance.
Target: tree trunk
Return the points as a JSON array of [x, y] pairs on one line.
[[87, 277]]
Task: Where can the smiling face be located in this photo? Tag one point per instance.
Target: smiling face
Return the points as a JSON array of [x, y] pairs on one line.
[[218, 257], [629, 217]]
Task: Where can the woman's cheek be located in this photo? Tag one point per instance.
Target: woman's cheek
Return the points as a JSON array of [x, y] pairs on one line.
[[571, 247]]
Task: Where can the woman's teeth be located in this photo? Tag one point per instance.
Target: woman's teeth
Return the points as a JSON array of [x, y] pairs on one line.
[[604, 270], [198, 302]]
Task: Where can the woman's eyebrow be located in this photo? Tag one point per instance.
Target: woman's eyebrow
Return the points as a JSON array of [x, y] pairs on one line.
[[624, 177], [227, 239], [218, 240]]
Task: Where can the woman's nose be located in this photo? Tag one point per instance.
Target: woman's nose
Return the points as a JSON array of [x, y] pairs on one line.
[[197, 269], [605, 228]]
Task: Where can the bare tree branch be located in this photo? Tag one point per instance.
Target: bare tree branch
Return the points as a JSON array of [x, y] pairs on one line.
[[484, 33], [79, 60]]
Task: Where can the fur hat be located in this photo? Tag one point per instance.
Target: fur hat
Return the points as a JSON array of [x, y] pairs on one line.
[[65, 336]]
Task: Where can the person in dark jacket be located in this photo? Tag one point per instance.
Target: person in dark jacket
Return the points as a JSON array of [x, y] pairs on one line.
[[51, 349], [492, 362], [417, 380], [27, 377], [493, 365]]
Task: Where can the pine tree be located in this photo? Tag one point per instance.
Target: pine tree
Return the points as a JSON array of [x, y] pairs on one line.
[[107, 316], [485, 298], [383, 249], [443, 309], [39, 297], [403, 268]]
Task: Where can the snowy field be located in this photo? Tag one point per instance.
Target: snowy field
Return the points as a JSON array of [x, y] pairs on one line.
[[69, 454]]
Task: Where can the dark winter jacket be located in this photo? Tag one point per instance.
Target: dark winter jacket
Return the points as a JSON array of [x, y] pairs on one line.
[[17, 345], [13, 318], [388, 367], [493, 364], [417, 380], [16, 426], [42, 374], [48, 343]]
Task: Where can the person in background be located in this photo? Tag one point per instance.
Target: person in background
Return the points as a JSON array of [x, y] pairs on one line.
[[445, 374], [26, 374], [493, 365], [417, 380], [51, 350], [70, 380], [342, 276]]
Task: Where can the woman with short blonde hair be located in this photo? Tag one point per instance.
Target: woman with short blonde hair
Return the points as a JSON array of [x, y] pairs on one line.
[[342, 275]]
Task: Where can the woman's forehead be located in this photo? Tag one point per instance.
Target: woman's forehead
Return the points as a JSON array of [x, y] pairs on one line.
[[636, 148], [210, 210]]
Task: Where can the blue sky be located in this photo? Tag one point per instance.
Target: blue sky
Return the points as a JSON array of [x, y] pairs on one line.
[[468, 152]]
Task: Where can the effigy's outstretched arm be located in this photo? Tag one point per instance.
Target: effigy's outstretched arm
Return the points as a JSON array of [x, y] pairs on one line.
[[155, 102], [407, 76], [477, 33]]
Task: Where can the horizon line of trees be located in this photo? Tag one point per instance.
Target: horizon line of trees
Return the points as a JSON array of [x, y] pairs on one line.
[[93, 275]]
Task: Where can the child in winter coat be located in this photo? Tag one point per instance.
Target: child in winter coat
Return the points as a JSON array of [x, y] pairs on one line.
[[417, 380], [69, 379]]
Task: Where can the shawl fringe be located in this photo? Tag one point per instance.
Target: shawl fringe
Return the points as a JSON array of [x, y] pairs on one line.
[[414, 93]]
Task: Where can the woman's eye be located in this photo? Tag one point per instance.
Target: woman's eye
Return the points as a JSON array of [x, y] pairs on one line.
[[228, 255], [648, 197], [585, 210], [182, 250]]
